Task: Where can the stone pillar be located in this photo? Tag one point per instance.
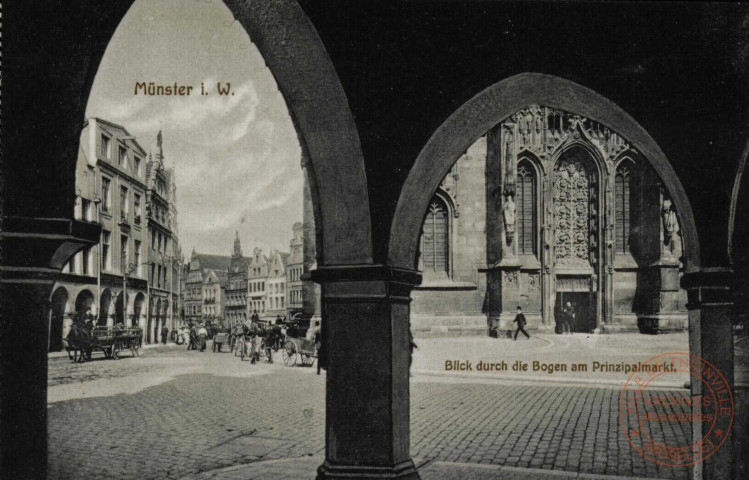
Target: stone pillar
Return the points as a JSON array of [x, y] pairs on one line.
[[366, 343], [34, 251], [711, 337]]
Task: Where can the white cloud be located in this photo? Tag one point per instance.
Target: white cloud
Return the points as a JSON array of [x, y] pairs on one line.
[[237, 157]]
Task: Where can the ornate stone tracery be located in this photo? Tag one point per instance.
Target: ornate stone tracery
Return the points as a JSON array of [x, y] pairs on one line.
[[542, 129], [573, 213]]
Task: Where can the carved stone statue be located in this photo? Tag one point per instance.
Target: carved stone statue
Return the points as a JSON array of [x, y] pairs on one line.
[[508, 214], [669, 221]]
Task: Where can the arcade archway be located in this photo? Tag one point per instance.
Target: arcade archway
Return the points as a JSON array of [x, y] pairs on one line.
[[59, 305], [105, 304]]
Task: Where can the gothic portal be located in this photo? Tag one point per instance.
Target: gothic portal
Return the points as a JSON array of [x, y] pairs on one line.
[[547, 208]]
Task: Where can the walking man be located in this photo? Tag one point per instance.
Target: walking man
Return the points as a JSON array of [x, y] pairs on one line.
[[520, 320], [568, 315], [164, 334]]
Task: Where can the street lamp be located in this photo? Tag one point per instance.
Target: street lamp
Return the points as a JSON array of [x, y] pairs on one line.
[[97, 203]]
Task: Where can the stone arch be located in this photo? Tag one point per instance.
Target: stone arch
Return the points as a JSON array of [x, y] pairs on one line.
[[154, 335], [85, 301], [319, 109], [138, 302], [58, 308], [497, 103], [121, 309], [104, 307]]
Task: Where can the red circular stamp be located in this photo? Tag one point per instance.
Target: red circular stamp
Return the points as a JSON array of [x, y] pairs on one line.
[[655, 420]]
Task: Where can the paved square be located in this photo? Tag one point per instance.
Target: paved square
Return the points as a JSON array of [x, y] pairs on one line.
[[173, 413]]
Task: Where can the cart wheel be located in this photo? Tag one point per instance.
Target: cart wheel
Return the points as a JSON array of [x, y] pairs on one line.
[[289, 354]]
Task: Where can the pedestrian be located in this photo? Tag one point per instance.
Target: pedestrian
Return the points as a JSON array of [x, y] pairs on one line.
[[411, 345], [202, 334], [164, 334], [193, 338], [568, 315], [255, 317], [520, 320], [277, 337], [253, 331]]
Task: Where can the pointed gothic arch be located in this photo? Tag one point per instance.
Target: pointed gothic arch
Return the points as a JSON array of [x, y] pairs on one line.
[[499, 102]]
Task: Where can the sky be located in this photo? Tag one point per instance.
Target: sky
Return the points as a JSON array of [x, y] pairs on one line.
[[237, 158]]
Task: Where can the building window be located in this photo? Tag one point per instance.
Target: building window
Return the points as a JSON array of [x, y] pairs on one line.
[[622, 188], [106, 147], [123, 203], [136, 200], [85, 261], [123, 253], [136, 256], [434, 238], [136, 165], [526, 209], [106, 238], [85, 209], [106, 198], [122, 157]]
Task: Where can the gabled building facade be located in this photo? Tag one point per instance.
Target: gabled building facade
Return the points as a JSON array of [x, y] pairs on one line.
[[294, 272], [276, 287], [163, 247], [193, 298], [214, 296], [236, 288], [257, 278]]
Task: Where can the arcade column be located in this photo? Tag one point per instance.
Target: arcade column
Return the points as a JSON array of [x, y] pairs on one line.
[[365, 332], [711, 337], [33, 253]]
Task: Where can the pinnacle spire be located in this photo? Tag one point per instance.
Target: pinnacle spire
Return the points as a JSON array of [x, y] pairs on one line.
[[237, 245]]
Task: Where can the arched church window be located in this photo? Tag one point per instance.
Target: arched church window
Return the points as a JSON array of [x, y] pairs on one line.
[[622, 192], [526, 208], [434, 238]]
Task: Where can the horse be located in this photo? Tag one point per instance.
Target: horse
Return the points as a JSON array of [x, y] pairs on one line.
[[78, 340]]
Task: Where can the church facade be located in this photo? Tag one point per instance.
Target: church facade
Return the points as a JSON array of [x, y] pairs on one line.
[[549, 208]]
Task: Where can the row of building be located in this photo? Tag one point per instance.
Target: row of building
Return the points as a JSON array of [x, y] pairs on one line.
[[132, 276], [230, 289]]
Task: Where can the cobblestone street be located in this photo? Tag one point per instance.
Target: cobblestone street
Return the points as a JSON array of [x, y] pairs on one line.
[[173, 413]]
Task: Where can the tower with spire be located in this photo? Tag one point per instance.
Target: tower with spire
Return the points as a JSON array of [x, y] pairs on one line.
[[164, 253], [236, 288]]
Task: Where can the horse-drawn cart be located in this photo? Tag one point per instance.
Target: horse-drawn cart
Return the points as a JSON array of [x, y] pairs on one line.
[[108, 340], [299, 349], [220, 339]]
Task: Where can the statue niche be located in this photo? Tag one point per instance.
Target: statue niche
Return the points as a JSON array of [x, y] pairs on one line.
[[508, 216]]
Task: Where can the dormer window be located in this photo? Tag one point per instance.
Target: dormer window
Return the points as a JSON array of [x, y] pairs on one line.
[[122, 157], [106, 147]]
